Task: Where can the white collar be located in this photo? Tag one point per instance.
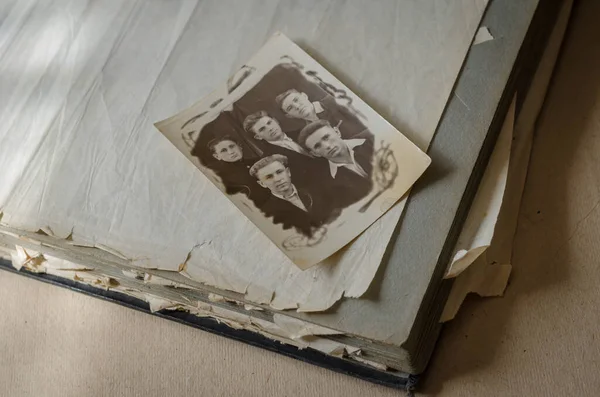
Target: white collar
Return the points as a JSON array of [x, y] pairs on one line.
[[318, 107], [284, 139], [351, 144], [295, 193], [290, 144]]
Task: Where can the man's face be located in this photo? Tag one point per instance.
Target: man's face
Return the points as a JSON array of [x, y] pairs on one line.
[[276, 177], [268, 129], [297, 105], [227, 151], [325, 142]]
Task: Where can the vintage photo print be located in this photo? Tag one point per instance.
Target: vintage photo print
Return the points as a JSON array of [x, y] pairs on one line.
[[305, 159]]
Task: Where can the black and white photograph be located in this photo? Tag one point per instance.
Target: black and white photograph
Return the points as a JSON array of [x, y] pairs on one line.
[[304, 158]]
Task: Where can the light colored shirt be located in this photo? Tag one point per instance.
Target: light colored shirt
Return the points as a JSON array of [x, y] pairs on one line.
[[318, 107], [353, 165], [294, 198], [288, 143]]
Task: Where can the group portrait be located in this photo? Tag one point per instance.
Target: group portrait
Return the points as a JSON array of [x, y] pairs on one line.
[[303, 157]]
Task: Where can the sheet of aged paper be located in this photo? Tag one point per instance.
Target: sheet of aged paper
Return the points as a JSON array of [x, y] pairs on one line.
[[298, 153], [86, 80]]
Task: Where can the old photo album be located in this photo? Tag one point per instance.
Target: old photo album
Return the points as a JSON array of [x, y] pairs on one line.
[[365, 273], [299, 154]]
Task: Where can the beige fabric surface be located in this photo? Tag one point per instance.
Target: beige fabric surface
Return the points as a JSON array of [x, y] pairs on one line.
[[541, 339]]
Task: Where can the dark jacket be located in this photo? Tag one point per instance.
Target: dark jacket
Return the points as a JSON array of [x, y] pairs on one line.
[[347, 187], [237, 179], [318, 212], [306, 170]]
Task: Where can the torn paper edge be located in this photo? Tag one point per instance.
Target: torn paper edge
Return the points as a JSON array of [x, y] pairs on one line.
[[37, 262], [482, 278], [485, 277], [285, 330], [297, 328], [478, 230], [483, 34]]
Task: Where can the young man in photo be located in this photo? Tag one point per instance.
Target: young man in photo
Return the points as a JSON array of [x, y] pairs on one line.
[[297, 105], [349, 160], [289, 204], [266, 128], [226, 149], [232, 168]]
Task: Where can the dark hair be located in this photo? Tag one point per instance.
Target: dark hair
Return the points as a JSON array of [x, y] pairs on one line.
[[310, 129], [249, 121], [262, 163], [212, 143], [279, 98]]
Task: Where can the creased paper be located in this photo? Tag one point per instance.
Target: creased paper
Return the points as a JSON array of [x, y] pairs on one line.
[[379, 366], [158, 304], [294, 332], [32, 260], [483, 34], [478, 230], [488, 274], [480, 277], [85, 80], [36, 262], [501, 249], [297, 328], [61, 264]]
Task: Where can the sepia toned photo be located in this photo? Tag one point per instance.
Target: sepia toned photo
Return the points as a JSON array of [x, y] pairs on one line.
[[307, 161]]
